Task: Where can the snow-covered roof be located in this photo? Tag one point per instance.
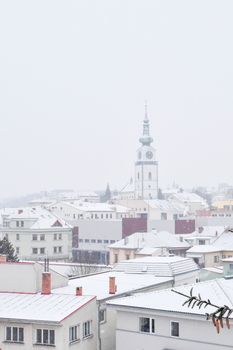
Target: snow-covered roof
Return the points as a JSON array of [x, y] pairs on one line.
[[128, 188], [219, 291], [207, 231], [158, 266], [38, 307], [224, 240], [189, 197], [97, 207], [40, 218], [167, 205], [206, 248], [148, 251], [98, 284], [217, 269], [150, 239]]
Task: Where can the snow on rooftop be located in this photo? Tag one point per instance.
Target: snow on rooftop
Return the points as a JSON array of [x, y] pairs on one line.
[[98, 284], [219, 291], [38, 307], [189, 197], [150, 239], [98, 207], [158, 266], [40, 218], [206, 248], [165, 205]]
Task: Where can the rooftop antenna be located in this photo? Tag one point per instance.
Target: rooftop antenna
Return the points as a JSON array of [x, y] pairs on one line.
[[46, 265]]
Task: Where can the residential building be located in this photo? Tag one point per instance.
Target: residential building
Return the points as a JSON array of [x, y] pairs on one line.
[[193, 201], [32, 317], [131, 246], [210, 255], [129, 278], [159, 320], [36, 233]]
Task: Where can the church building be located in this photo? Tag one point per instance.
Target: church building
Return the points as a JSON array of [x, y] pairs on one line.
[[146, 169]]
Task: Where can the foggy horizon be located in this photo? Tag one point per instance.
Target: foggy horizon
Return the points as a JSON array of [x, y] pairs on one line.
[[74, 78]]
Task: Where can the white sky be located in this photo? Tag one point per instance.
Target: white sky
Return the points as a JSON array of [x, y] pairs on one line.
[[73, 79]]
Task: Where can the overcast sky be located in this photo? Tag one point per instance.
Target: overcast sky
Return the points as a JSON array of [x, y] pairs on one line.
[[73, 79]]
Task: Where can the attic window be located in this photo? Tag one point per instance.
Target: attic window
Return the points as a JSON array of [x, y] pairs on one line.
[[57, 224]]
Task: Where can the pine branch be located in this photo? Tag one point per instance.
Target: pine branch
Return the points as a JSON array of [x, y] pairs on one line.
[[217, 317]]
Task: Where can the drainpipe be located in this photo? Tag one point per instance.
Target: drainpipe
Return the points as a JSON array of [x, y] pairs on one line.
[[98, 326]]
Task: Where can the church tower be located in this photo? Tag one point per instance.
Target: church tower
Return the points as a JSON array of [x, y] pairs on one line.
[[146, 166]]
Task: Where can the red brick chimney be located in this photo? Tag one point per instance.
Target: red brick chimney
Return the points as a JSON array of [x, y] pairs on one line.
[[2, 259], [112, 285], [46, 283], [79, 291]]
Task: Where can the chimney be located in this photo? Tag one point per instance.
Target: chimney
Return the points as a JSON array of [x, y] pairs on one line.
[[20, 211], [46, 279], [3, 259], [112, 285], [46, 283], [79, 291]]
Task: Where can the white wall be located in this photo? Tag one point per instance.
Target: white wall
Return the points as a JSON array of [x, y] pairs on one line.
[[195, 333], [87, 312]]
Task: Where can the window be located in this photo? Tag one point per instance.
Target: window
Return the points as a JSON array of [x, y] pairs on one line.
[[14, 334], [127, 256], [149, 176], [87, 241], [42, 250], [17, 250], [45, 336], [147, 325], [6, 236], [106, 241], [115, 258], [55, 236], [74, 333], [55, 249], [201, 242], [42, 237], [216, 259], [17, 223], [112, 241], [102, 316], [60, 236], [163, 216], [99, 240], [73, 216], [110, 215], [17, 236], [175, 216], [231, 266], [175, 329], [60, 249], [81, 240], [87, 331], [34, 251], [106, 216], [93, 241], [138, 176], [102, 216], [22, 223], [34, 237]]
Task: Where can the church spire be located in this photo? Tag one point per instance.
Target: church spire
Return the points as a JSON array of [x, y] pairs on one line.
[[146, 139]]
